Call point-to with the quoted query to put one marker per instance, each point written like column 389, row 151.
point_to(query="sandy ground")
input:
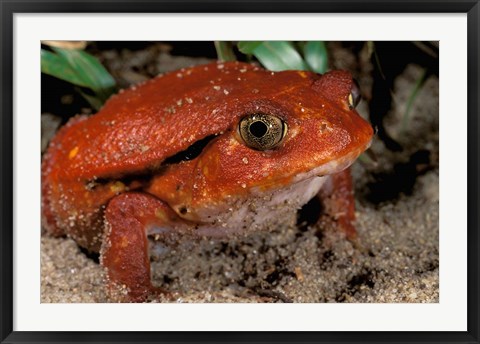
column 394, row 260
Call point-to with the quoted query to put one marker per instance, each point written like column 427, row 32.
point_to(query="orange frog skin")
column 209, row 151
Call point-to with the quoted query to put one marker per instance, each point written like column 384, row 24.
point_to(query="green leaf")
column 225, row 51
column 368, row 157
column 372, row 50
column 59, row 67
column 95, row 102
column 81, row 69
column 413, row 95
column 248, row 47
column 89, row 70
column 279, row 55
column 316, row 56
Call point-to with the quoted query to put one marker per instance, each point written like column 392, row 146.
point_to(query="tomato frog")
column 210, row 151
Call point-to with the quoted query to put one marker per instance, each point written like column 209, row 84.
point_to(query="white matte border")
column 449, row 315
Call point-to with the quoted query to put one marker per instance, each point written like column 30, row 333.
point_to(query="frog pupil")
column 258, row 129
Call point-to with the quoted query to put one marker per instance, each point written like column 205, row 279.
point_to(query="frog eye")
column 262, row 132
column 354, row 97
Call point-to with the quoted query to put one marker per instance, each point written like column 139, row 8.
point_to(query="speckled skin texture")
column 104, row 179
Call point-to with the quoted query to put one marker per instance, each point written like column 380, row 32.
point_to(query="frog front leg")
column 125, row 249
column 338, row 202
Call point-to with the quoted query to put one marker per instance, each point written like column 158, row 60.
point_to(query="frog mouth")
column 332, row 167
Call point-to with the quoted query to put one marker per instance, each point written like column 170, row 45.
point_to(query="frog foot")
column 125, row 250
column 339, row 203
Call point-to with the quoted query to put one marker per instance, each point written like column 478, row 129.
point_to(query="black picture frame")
column 10, row 7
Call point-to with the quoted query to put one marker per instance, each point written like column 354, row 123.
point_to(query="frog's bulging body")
column 212, row 150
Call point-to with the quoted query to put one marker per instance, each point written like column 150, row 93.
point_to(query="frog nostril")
column 258, row 129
